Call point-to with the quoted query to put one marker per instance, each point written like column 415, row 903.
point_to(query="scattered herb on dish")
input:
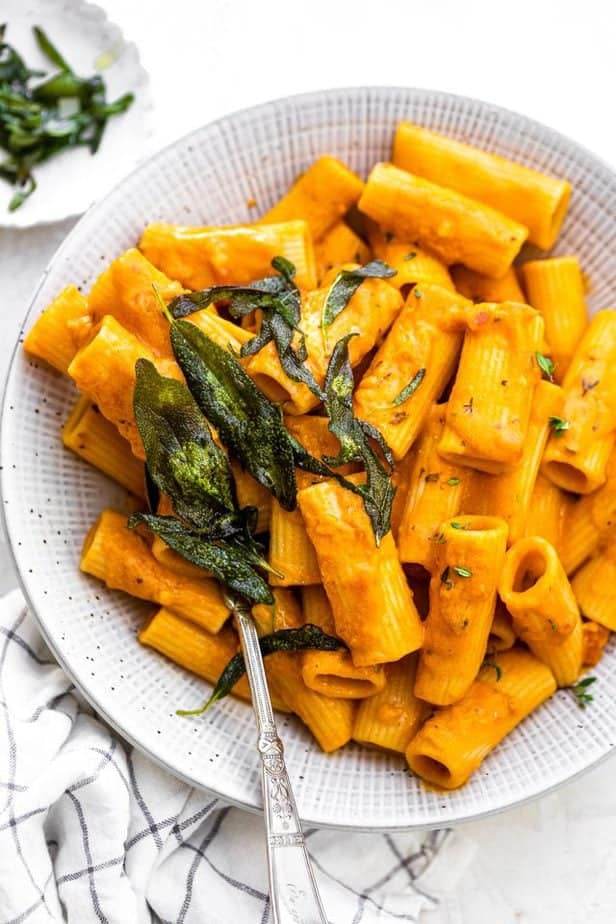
column 580, row 691
column 42, row 114
column 409, row 389
column 558, row 425
column 546, row 365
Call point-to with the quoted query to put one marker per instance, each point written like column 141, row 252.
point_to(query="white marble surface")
column 550, row 862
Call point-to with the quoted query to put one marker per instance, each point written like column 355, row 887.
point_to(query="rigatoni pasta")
column 346, row 438
column 455, row 228
column 577, row 455
column 469, row 559
column 534, row 199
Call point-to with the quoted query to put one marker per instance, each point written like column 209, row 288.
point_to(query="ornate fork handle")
column 293, row 891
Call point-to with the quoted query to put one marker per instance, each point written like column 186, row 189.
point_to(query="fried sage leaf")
column 279, row 301
column 308, row 637
column 355, row 438
column 234, row 566
column 346, row 284
column 247, row 422
column 182, row 458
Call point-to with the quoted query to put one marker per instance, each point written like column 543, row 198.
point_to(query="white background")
column 551, row 862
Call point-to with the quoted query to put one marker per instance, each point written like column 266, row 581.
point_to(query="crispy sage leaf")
column 354, row 436
column 280, row 304
column 346, row 284
column 183, row 460
column 308, row 637
column 247, row 422
column 230, row 564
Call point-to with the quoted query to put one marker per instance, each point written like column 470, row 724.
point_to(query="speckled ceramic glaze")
column 50, row 498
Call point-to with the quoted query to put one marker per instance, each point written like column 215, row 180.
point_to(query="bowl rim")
column 305, row 98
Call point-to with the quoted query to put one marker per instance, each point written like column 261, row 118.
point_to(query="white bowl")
column 51, row 498
column 70, row 182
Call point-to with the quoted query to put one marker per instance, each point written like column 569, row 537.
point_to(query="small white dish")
column 50, row 498
column 70, row 182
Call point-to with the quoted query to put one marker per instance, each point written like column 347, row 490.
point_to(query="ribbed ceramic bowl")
column 50, row 498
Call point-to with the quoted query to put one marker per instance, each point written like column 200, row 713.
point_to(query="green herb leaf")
column 453, row 481
column 49, row 50
column 279, row 300
column 308, row 637
column 446, row 579
column 410, row 256
column 182, row 458
column 346, row 284
column 456, row 525
column 462, row 572
column 233, row 565
column 355, row 438
column 41, row 117
column 488, row 662
column 580, row 691
column 558, row 425
column 546, row 365
column 247, row 422
column 412, row 386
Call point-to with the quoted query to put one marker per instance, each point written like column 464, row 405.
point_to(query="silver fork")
column 294, row 894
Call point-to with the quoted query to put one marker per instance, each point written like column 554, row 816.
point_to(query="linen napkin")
column 92, row 831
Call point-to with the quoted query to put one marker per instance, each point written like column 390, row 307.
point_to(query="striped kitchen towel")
column 92, row 831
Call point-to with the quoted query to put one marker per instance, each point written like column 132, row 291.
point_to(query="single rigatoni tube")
column 369, row 313
column 104, row 370
column 509, row 495
column 485, row 289
column 534, row 199
column 401, row 480
column 415, row 266
column 330, row 720
column 580, row 537
column 333, row 672
column 125, row 290
column 594, row 586
column 536, row 591
column 489, row 408
column 230, row 254
column 291, row 552
column 393, row 716
column 577, row 454
column 95, row 439
column 435, row 494
column 555, row 287
column 339, row 245
column 547, row 513
column 467, row 566
column 452, row 744
column 372, row 603
column 455, row 228
column 595, row 639
column 418, row 355
column 193, row 647
column 122, row 559
column 502, row 635
column 52, row 337
column 320, row 196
